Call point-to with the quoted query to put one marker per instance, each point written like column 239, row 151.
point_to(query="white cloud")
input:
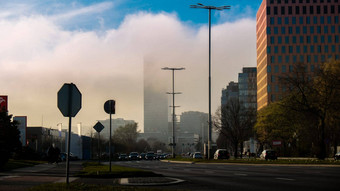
column 37, row 57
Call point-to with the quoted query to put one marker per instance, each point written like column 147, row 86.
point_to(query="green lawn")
column 94, row 170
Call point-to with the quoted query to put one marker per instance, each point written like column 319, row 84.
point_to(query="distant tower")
column 156, row 104
column 229, row 93
column 247, row 87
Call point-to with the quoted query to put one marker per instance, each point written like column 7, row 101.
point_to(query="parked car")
column 221, row 154
column 141, row 156
column 133, row 156
column 63, row 156
column 123, row 157
column 197, row 155
column 337, row 156
column 150, row 156
column 268, row 154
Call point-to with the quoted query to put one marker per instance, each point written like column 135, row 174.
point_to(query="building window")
column 312, row 68
column 279, row 39
column 283, row 30
column 294, row 20
column 297, row 10
column 329, row 39
column 326, row 49
column 322, row 20
column 290, row 49
column 276, row 88
column 336, row 19
column 302, row 60
column 329, row 20
column 268, row 10
column 336, row 39
column 272, row 78
column 307, row 20
column 311, row 29
column 308, row 39
column 309, row 59
column 311, row 10
column 315, row 39
column 305, row 49
column 315, row 20
column 290, row 10
column 294, row 59
column 333, row 49
column 316, row 59
column 332, row 9
column 325, row 9
column 286, row 20
column 304, row 30
column 304, row 10
column 332, row 29
column 318, row 29
column 287, row 59
column 297, row 30
column 272, row 59
column 268, row 50
column 323, row 59
column 322, row 39
column 294, row 39
column 301, row 20
column 276, row 69
column 325, row 29
column 276, row 49
column 318, row 9
column 290, row 68
column 297, row 49
column 272, row 40
column 312, row 49
column 283, row 12
column 279, row 20
column 290, row 30
column 283, row 49
column 269, row 69
column 275, row 10
column 301, row 39
column 271, row 20
column 286, row 39
column 268, row 30
column 269, row 88
column 319, row 49
column 279, row 59
column 283, row 68
column 276, row 31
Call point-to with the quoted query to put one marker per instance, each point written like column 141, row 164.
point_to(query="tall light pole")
column 201, row 6
column 173, row 106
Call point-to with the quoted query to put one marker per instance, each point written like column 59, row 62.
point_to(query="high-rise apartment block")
column 290, row 32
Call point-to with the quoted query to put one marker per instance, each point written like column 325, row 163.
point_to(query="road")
column 244, row 177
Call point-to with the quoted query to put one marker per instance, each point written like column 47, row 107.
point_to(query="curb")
column 146, row 181
column 180, row 162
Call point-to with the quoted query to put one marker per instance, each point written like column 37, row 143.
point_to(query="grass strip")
column 95, row 170
column 88, row 187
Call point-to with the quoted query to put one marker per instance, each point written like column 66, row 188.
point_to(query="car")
column 197, row 155
column 63, row 156
column 150, row 156
column 337, row 156
column 221, row 154
column 133, row 156
column 122, row 157
column 268, row 154
column 141, row 156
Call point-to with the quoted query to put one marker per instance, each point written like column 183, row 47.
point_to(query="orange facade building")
column 290, row 32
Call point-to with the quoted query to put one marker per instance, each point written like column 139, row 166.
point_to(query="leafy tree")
column 235, row 122
column 316, row 98
column 9, row 137
column 125, row 138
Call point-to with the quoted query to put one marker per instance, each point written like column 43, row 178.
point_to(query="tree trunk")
column 322, row 154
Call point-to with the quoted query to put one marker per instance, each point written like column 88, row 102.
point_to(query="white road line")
column 6, row 177
column 71, row 179
column 288, row 179
column 240, row 174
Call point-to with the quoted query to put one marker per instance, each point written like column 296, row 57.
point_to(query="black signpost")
column 109, row 108
column 98, row 127
column 69, row 104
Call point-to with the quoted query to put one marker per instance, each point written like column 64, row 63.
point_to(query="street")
column 244, row 177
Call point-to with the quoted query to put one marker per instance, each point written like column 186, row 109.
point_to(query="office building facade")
column 291, row 32
column 247, row 87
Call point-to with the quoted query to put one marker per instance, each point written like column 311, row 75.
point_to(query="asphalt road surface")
column 244, row 177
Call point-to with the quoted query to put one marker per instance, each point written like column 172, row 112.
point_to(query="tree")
column 9, row 137
column 235, row 122
column 317, row 98
column 125, row 138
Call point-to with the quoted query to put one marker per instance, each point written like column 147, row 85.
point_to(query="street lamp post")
column 201, row 6
column 173, row 106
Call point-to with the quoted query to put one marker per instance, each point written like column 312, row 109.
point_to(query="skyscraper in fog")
column 289, row 32
column 156, row 104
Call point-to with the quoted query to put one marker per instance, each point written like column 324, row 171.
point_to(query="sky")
column 101, row 46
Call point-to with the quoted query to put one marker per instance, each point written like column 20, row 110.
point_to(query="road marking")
column 5, row 177
column 71, row 179
column 239, row 174
column 288, row 179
